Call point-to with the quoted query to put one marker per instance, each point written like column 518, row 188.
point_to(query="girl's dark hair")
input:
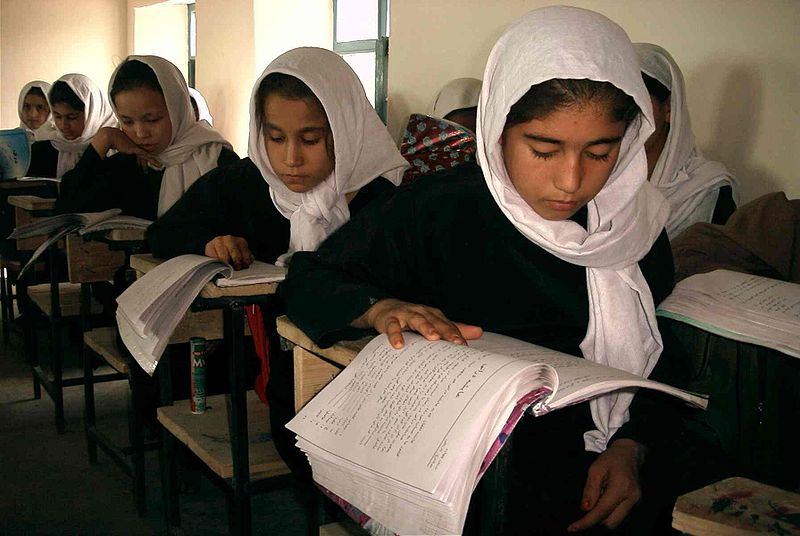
column 133, row 74
column 35, row 90
column 288, row 87
column 556, row 94
column 285, row 85
column 61, row 93
column 656, row 88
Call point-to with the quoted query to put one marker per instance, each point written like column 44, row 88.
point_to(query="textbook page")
column 258, row 272
column 743, row 307
column 119, row 221
column 577, row 379
column 46, row 225
column 44, row 245
column 408, row 413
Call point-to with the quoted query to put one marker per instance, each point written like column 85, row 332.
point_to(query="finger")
column 607, row 503
column 222, row 252
column 236, row 257
column 618, row 515
column 469, row 332
column 394, row 331
column 421, row 324
column 595, row 480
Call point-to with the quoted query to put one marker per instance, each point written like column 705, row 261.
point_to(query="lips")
column 562, row 205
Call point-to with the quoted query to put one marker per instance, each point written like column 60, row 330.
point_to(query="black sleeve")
column 227, row 157
column 725, row 206
column 201, row 214
column 368, row 259
column 94, row 184
column 44, row 160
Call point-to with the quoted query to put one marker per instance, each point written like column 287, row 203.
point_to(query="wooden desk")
column 315, row 367
column 238, row 479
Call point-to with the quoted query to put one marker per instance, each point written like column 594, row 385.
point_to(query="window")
column 192, row 33
column 360, row 36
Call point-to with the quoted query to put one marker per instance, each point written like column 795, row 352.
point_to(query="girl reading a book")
column 557, row 239
column 79, row 110
column 318, row 153
column 161, row 149
column 34, row 110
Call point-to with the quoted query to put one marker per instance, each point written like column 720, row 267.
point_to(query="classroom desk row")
column 232, row 436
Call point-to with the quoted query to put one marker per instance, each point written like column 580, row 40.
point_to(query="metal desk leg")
column 169, row 479
column 55, row 342
column 136, row 437
column 239, row 502
column 88, row 378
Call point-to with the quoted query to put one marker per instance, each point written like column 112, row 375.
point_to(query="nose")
column 293, row 155
column 570, row 176
column 141, row 131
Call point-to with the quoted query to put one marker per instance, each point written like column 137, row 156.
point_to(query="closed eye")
column 598, row 157
column 542, row 155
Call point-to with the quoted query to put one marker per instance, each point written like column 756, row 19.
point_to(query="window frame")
column 192, row 67
column 379, row 46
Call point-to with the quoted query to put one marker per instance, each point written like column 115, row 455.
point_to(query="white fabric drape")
column 97, row 113
column 624, row 219
column 202, row 106
column 455, row 95
column 47, row 128
column 688, row 180
column 195, row 146
column 363, row 147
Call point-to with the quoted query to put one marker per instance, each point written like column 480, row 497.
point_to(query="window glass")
column 364, row 66
column 356, row 20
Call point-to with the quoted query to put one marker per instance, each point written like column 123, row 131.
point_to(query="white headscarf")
column 195, row 146
column 363, row 147
column 456, row 95
column 202, row 106
column 625, row 217
column 689, row 182
column 47, row 127
column 97, row 114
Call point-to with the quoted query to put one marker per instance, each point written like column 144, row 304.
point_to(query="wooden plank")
column 736, row 506
column 31, row 202
column 125, row 235
column 69, row 299
column 311, row 374
column 145, row 262
column 103, row 341
column 21, row 217
column 343, row 352
column 91, row 261
column 21, row 185
column 208, row 435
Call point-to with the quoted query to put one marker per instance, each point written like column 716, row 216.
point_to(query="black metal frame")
column 239, row 488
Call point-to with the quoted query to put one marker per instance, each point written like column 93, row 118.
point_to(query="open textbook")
column 151, row 308
column 742, row 307
column 57, row 227
column 404, row 435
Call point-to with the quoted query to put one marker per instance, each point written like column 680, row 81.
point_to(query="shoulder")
column 227, row 157
column 43, row 147
column 463, row 186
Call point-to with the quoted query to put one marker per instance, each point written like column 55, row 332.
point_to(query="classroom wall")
column 741, row 61
column 282, row 25
column 57, row 30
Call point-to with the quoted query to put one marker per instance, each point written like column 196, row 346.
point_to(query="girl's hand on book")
column 108, row 138
column 612, row 486
column 230, row 249
column 392, row 317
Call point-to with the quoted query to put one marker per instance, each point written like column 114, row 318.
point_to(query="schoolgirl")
column 317, row 154
column 698, row 189
column 79, row 110
column 557, row 238
column 34, row 110
column 200, row 107
column 161, row 150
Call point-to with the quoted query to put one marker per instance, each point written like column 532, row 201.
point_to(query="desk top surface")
column 143, row 263
column 31, row 202
column 16, row 184
column 343, row 352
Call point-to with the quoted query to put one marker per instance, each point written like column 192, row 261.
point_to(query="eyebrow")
column 305, row 129
column 599, row 141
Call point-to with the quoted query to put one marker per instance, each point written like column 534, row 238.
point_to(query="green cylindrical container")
column 197, row 346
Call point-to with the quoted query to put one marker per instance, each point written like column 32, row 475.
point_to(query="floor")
column 47, row 485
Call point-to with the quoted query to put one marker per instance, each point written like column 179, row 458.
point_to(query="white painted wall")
column 741, row 61
column 44, row 39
